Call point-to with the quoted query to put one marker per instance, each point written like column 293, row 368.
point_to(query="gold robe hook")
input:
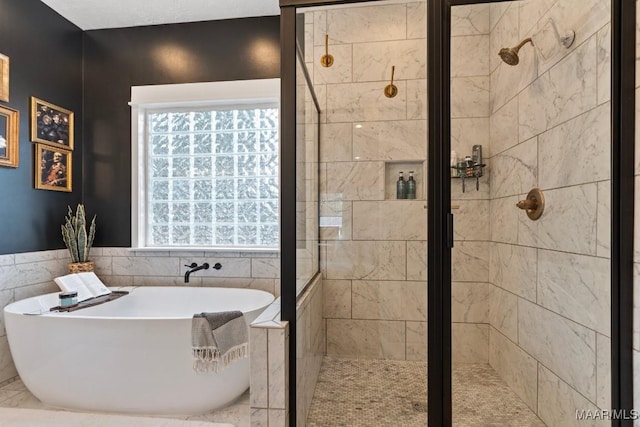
column 391, row 90
column 327, row 59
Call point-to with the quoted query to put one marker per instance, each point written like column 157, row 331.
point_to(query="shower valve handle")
column 533, row 205
column 527, row 204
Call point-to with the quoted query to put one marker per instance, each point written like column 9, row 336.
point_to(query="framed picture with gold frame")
column 51, row 124
column 4, row 78
column 53, row 168
column 9, row 141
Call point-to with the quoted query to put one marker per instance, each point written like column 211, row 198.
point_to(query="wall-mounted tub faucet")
column 193, row 267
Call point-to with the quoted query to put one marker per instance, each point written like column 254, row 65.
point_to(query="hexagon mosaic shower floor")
column 354, row 393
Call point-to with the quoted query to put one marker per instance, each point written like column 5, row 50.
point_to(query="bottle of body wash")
column 411, row 186
column 401, row 187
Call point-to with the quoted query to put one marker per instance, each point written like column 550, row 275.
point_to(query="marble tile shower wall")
column 373, row 246
column 470, row 126
column 549, row 332
column 29, row 274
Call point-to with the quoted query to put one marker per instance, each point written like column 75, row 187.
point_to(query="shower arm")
column 522, row 43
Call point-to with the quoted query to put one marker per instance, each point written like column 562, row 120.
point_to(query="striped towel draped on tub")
column 218, row 339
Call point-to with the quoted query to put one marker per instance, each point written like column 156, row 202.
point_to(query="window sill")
column 193, row 249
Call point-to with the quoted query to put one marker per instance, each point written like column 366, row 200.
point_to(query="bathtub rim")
column 11, row 308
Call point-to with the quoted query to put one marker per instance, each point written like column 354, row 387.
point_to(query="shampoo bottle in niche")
column 401, row 187
column 411, row 186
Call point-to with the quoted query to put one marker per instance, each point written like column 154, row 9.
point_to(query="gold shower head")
column 510, row 54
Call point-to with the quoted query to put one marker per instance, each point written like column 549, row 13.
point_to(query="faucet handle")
column 192, row 265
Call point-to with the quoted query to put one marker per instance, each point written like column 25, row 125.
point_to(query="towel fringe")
column 208, row 359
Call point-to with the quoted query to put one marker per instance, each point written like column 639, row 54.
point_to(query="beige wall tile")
column 515, row 367
column 558, row 401
column 504, row 127
column 416, row 99
column 470, row 343
column 515, row 171
column 565, row 347
column 467, row 132
column 470, row 262
column 355, row 181
column 578, row 151
column 337, row 298
column 380, row 260
column 352, row 102
column 603, row 232
column 417, row 260
column 373, row 61
column 568, row 223
column 259, row 417
column 390, row 140
column 603, row 367
column 514, row 268
column 470, row 55
column 577, row 287
column 470, row 97
column 471, row 220
column 470, row 19
column 417, row 20
column 389, row 300
column 367, row 24
column 342, row 69
column 470, row 302
column 336, row 142
column 503, row 313
column 369, row 339
column 277, row 342
column 569, row 88
column 391, row 220
column 259, row 368
column 416, row 341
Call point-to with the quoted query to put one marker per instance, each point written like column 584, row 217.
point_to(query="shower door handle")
column 450, row 230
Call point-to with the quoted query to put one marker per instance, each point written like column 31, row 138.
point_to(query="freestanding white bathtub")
column 130, row 355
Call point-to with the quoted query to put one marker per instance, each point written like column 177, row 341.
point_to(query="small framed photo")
column 53, row 168
column 51, row 124
column 9, row 141
column 4, row 78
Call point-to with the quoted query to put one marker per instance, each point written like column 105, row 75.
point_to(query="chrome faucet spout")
column 193, row 267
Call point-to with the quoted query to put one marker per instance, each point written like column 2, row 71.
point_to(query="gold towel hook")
column 327, row 59
column 391, row 90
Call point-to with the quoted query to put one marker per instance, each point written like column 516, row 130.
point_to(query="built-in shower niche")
column 392, row 171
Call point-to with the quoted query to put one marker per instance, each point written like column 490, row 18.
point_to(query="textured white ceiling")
column 95, row 14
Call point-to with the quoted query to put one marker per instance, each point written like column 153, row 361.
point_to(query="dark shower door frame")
column 440, row 222
column 440, row 219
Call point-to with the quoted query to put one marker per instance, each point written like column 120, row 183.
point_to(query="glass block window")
column 212, row 177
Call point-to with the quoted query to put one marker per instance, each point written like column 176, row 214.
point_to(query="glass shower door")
column 531, row 303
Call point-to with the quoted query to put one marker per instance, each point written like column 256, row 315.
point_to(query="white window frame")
column 144, row 98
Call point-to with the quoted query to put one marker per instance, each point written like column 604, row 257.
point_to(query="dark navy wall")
column 45, row 52
column 116, row 59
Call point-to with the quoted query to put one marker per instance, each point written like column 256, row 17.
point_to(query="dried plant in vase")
column 78, row 241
